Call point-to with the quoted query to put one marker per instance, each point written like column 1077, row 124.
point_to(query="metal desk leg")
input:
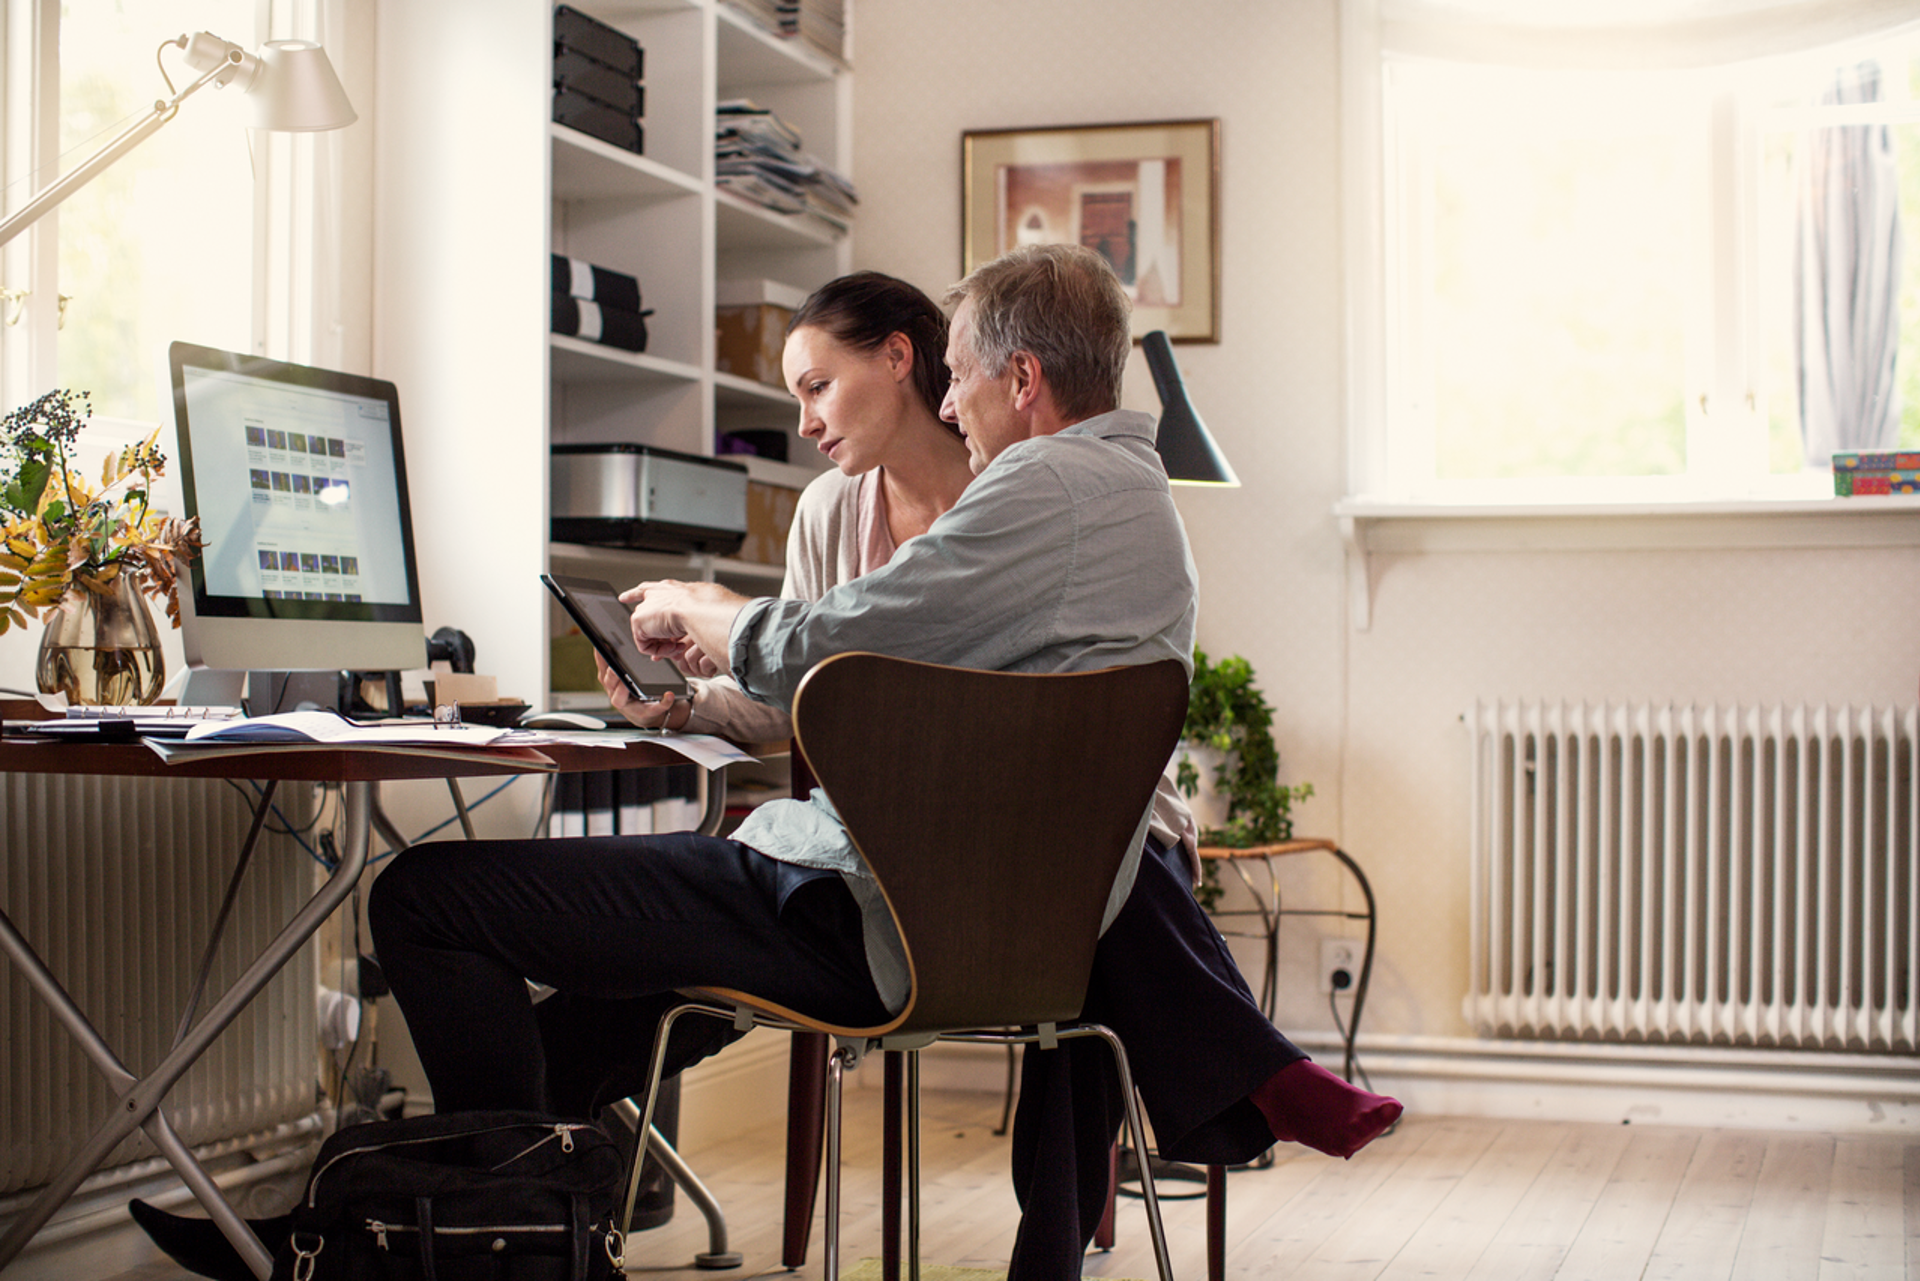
column 140, row 1099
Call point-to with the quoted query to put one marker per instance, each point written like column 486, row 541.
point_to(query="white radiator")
column 116, row 882
column 1723, row 875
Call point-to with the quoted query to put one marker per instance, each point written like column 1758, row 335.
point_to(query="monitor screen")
column 299, row 479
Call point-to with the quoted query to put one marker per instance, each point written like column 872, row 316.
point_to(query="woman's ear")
column 899, row 353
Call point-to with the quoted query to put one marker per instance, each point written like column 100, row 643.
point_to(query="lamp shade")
column 1185, row 448
column 296, row 90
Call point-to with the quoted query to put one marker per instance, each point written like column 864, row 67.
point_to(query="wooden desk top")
column 326, row 765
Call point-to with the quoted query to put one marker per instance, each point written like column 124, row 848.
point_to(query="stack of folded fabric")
column 598, row 305
column 598, row 79
column 758, row 157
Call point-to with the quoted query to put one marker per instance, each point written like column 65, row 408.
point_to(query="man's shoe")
column 198, row 1245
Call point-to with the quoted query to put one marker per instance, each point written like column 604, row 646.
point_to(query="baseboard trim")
column 734, row 1090
column 1625, row 1084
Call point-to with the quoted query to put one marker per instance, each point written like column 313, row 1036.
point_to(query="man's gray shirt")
column 1066, row 554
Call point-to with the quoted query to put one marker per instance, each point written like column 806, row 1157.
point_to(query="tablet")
column 607, row 623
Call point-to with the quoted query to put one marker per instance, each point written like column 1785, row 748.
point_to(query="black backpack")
column 464, row 1196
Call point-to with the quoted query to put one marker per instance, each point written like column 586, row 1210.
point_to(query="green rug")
column 869, row 1270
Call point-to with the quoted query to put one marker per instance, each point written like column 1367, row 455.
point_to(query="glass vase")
column 102, row 647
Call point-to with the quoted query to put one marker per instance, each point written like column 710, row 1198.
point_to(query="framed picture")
column 1143, row 195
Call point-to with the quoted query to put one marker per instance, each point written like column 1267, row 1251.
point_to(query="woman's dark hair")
column 866, row 308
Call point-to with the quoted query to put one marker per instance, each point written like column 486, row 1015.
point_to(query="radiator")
column 1713, row 875
column 116, row 882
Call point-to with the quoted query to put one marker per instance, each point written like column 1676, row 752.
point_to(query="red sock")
column 1305, row 1103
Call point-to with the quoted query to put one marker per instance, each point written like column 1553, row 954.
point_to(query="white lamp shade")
column 297, row 90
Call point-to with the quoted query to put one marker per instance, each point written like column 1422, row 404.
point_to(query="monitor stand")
column 269, row 692
column 212, row 687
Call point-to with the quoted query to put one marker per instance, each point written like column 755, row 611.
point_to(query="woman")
column 865, row 359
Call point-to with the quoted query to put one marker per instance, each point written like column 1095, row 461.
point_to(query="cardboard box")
column 748, row 341
column 770, row 511
column 754, row 292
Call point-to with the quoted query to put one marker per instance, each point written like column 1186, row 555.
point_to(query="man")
column 1064, row 554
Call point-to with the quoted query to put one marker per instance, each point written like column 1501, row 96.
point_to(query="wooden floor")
column 1438, row 1198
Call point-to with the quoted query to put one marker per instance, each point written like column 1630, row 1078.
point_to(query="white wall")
column 1371, row 718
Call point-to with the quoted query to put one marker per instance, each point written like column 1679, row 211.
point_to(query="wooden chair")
column 994, row 810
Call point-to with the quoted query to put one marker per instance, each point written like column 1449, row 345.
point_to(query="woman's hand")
column 662, row 714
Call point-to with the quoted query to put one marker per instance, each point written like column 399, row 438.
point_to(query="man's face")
column 981, row 407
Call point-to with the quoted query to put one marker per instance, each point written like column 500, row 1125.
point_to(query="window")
column 1601, row 283
column 206, row 231
column 160, row 246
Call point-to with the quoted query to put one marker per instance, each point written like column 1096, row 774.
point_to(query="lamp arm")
column 85, row 172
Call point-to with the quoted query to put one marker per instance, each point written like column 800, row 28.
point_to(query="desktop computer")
column 308, row 580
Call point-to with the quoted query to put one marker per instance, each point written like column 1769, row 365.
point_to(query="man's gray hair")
column 1064, row 306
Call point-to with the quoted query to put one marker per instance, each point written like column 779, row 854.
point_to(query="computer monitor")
column 299, row 479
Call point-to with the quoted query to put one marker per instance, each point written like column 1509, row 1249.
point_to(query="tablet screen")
column 595, row 606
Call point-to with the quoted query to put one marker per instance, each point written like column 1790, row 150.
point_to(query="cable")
column 471, row 806
column 252, row 792
column 1333, row 1004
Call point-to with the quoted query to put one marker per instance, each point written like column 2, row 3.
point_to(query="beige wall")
column 1371, row 718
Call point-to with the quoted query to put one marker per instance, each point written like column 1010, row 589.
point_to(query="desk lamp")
column 1185, row 448
column 290, row 84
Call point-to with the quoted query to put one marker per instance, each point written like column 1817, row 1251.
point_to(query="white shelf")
column 577, row 361
column 585, row 168
column 733, row 390
column 741, row 224
column 457, row 305
column 751, row 55
column 771, row 471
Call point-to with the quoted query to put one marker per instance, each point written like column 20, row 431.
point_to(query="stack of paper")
column 758, row 157
column 821, row 23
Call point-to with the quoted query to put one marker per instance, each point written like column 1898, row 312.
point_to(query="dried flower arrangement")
column 60, row 532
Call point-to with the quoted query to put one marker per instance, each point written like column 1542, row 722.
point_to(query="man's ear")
column 1026, row 381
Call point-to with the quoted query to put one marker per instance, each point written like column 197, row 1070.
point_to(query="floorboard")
column 1449, row 1199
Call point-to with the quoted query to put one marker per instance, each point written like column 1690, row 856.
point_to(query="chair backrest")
column 994, row 808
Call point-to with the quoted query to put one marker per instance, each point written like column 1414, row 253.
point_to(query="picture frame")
column 1145, row 195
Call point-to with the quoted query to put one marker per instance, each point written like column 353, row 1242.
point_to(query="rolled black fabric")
column 612, row 326
column 582, row 279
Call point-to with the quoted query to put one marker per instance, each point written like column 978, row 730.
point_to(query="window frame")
column 297, row 261
column 1391, row 450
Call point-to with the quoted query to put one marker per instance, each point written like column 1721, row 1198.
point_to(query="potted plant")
column 1227, row 712
column 87, row 554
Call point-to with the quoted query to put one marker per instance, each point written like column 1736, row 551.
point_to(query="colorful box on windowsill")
column 1876, row 471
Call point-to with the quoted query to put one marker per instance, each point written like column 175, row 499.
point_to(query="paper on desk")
column 703, row 750
column 337, row 731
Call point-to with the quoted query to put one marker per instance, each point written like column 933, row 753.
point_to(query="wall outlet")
column 1339, row 965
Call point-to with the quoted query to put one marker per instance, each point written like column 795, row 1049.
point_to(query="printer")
column 650, row 499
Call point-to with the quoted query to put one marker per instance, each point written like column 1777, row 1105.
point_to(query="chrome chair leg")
column 717, row 1254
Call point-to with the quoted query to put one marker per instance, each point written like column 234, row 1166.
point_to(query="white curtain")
column 1847, row 255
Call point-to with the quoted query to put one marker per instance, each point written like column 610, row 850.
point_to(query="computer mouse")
column 562, row 720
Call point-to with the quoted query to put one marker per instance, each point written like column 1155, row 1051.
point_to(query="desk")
column 359, row 771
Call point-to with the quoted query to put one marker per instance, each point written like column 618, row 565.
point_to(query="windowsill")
column 1370, row 524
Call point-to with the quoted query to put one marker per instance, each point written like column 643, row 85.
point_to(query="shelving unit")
column 477, row 185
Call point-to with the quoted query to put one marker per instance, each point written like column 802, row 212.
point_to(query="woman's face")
column 853, row 404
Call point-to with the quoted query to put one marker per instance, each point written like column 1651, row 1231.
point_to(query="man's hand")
column 688, row 624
